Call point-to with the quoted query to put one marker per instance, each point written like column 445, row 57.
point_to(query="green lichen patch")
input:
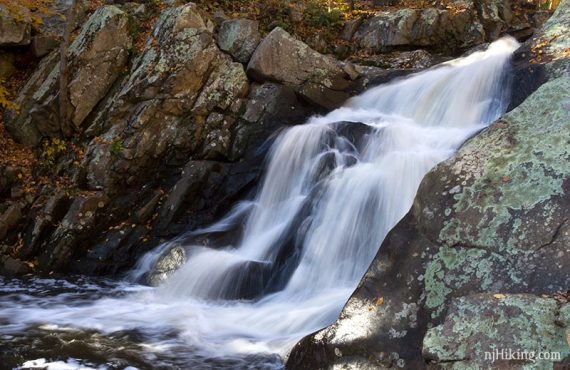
column 489, row 323
column 510, row 199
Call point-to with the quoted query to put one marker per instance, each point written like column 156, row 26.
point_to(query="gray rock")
column 161, row 108
column 9, row 220
column 12, row 216
column 10, row 266
column 49, row 33
column 44, row 223
column 282, row 58
column 14, row 32
column 194, row 177
column 421, row 27
column 416, row 59
column 77, row 226
column 239, row 38
column 478, row 328
column 471, row 23
column 96, row 58
column 166, row 265
column 543, row 57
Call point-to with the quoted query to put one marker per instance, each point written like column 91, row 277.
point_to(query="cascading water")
column 333, row 189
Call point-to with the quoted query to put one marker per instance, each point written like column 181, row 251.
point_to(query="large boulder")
column 318, row 78
column 492, row 219
column 96, row 59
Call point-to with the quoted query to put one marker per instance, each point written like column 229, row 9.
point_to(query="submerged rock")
column 492, row 219
column 166, row 265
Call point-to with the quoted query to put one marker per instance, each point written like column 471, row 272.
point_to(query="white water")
column 335, row 220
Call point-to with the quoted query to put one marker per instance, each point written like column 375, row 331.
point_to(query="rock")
column 469, row 23
column 479, row 224
column 166, row 265
column 316, row 77
column 9, row 220
column 194, row 177
column 158, row 113
column 42, row 45
column 478, row 328
column 76, row 228
column 239, row 38
column 219, row 18
column 144, row 214
column 96, row 58
column 14, row 32
column 544, row 57
column 417, row 27
column 11, row 217
column 417, row 59
column 270, row 107
column 351, row 27
column 10, row 266
column 44, row 223
column 7, row 65
column 49, row 33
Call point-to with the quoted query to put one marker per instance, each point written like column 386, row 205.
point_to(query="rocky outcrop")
column 492, row 219
column 465, row 23
column 163, row 142
column 166, row 106
column 318, row 78
column 97, row 57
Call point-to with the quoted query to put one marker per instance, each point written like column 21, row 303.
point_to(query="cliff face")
column 170, row 126
column 479, row 258
column 166, row 134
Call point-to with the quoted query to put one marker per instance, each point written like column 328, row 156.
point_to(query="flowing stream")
column 332, row 190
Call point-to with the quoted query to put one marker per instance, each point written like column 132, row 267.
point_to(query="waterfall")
column 332, row 190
